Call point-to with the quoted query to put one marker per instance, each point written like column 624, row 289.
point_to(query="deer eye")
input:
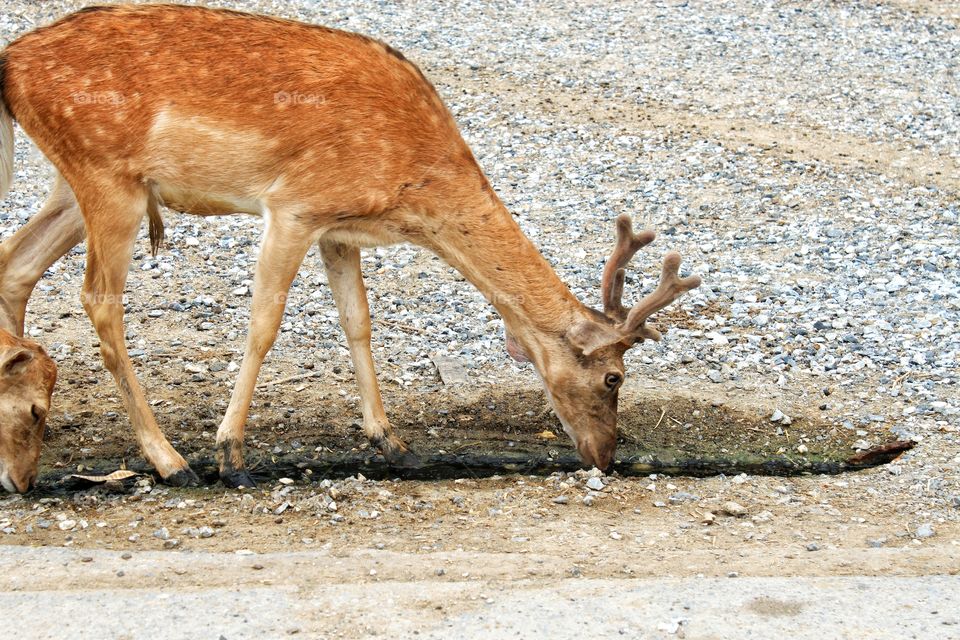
column 612, row 380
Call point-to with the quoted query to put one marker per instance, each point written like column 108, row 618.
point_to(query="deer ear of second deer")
column 333, row 138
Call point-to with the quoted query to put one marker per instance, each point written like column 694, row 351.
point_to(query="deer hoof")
column 237, row 479
column 405, row 459
column 183, row 478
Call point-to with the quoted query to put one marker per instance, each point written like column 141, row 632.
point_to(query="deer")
column 28, row 374
column 332, row 138
column 27, row 378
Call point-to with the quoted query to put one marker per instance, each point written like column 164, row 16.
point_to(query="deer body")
column 331, row 137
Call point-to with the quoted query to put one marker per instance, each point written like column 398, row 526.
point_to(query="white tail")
column 6, row 150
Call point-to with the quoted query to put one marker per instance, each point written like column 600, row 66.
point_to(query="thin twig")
column 400, row 325
column 663, row 412
column 299, row 376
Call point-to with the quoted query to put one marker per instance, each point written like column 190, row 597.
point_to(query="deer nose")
column 24, row 483
column 599, row 455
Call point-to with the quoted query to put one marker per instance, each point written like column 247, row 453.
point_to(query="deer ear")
column 15, row 361
column 588, row 336
column 515, row 350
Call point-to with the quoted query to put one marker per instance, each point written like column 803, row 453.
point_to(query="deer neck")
column 486, row 245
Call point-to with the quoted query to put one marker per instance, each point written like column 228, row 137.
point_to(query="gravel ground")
column 803, row 157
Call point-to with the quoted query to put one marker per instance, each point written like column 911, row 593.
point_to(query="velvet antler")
column 632, row 323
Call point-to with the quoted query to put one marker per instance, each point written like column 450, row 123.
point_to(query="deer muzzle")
column 598, row 452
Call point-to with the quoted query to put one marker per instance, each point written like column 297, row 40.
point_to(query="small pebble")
column 735, row 509
column 596, row 484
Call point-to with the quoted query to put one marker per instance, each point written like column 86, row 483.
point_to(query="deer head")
column 583, row 370
column 27, row 377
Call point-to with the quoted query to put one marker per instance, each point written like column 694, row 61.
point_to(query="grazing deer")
column 27, row 377
column 331, row 137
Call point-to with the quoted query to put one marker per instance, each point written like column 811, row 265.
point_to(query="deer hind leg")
column 112, row 215
column 282, row 251
column 48, row 235
column 342, row 263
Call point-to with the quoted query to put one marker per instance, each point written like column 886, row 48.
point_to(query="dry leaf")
column 122, row 474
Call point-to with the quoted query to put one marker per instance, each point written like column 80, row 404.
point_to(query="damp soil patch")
column 317, row 433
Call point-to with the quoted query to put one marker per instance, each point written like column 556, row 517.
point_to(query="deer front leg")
column 48, row 235
column 281, row 253
column 112, row 216
column 342, row 263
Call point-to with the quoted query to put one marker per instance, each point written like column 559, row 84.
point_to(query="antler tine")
column 628, row 243
column 671, row 287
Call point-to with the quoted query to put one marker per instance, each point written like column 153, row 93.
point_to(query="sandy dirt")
column 849, row 524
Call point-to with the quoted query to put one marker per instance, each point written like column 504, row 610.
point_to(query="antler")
column 614, row 274
column 671, row 287
column 632, row 323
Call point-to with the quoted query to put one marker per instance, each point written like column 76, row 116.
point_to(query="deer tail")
column 155, row 220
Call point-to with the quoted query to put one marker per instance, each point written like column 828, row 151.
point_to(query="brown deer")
column 27, row 373
column 27, row 377
column 331, row 137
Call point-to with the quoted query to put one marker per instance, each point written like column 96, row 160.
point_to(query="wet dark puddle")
column 510, row 433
